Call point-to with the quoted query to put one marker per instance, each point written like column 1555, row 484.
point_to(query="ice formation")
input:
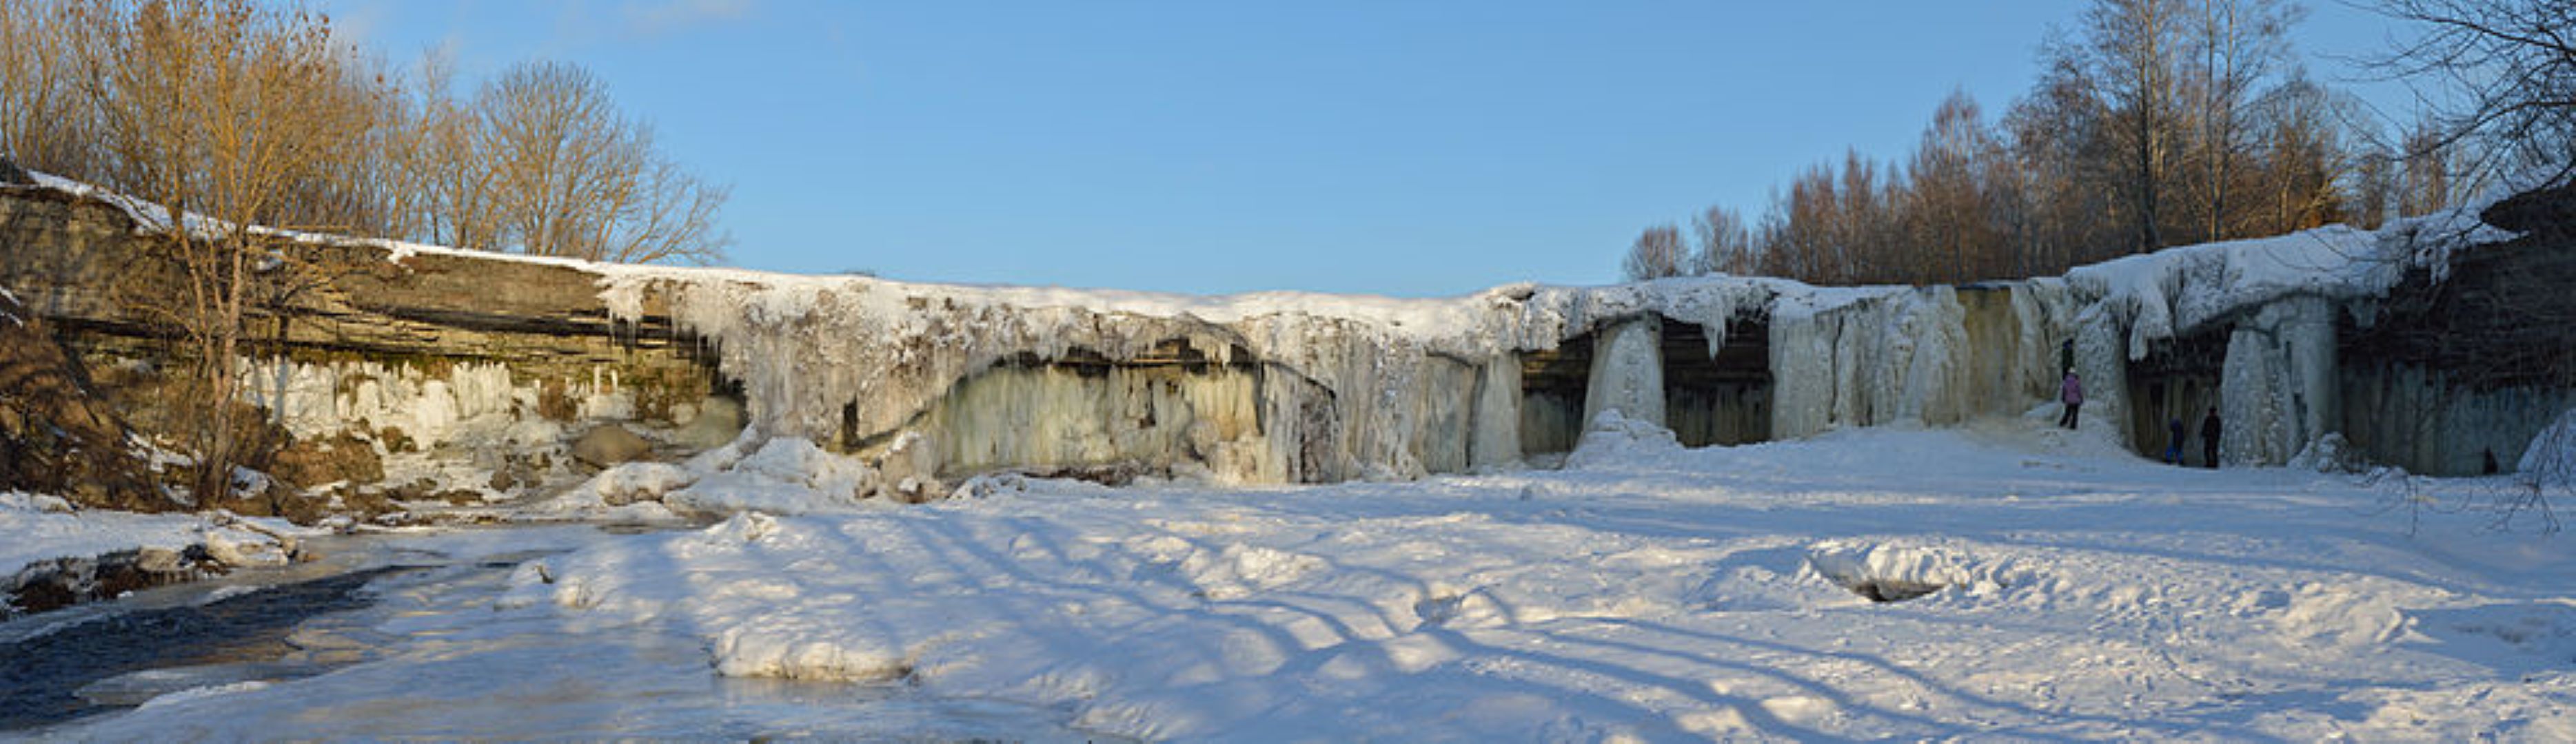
column 942, row 382
column 1285, row 387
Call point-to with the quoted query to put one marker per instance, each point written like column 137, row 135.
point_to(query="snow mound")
column 1613, row 437
column 807, row 648
column 788, row 475
column 1901, row 570
column 1230, row 572
column 2330, row 454
column 2551, row 458
column 639, row 481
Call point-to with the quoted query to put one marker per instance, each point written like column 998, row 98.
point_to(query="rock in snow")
column 609, row 445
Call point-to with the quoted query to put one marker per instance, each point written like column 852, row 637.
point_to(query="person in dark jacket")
column 2173, row 441
column 2209, row 438
column 2071, row 392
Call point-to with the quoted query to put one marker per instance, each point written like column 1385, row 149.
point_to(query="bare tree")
column 221, row 109
column 580, row 180
column 2426, row 184
column 2374, row 190
column 1658, row 253
column 2236, row 44
column 2134, row 44
column 2061, row 149
column 1726, row 243
column 2512, row 64
column 44, row 120
column 2304, row 163
column 1949, row 213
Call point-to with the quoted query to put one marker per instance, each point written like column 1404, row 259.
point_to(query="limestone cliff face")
column 407, row 354
column 57, row 436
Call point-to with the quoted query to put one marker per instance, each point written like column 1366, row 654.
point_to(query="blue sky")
column 1401, row 148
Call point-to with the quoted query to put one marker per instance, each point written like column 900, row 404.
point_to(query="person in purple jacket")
column 2071, row 392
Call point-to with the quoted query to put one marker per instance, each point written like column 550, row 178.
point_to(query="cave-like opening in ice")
column 1552, row 389
column 1722, row 398
column 2177, row 379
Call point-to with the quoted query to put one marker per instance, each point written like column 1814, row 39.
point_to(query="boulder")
column 609, row 445
column 315, row 462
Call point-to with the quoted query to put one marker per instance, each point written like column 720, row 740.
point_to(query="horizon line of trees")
column 2156, row 123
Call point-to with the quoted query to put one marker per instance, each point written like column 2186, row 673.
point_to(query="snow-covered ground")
column 41, row 528
column 1645, row 592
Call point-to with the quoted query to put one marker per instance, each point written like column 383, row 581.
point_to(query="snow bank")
column 50, row 541
column 1652, row 593
column 42, row 527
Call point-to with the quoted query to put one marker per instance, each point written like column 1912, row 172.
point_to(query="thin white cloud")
column 658, row 17
column 355, row 25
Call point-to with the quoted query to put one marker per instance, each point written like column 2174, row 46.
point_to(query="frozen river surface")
column 400, row 637
column 2050, row 586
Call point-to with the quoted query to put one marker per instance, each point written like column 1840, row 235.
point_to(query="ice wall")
column 1153, row 418
column 2420, row 421
column 1361, row 387
column 1871, row 356
column 1349, row 387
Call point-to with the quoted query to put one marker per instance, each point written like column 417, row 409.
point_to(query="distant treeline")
column 2156, row 123
column 155, row 97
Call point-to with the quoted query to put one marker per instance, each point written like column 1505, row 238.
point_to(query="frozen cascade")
column 2280, row 382
column 320, row 400
column 1336, row 388
column 1627, row 372
column 1014, row 414
column 1304, row 387
column 1347, row 387
column 1874, row 356
column 1495, row 441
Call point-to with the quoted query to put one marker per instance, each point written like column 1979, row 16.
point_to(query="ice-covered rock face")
column 472, row 402
column 1291, row 387
column 1301, row 387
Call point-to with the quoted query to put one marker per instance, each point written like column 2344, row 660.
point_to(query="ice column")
column 1628, row 371
column 1497, row 419
column 2280, row 388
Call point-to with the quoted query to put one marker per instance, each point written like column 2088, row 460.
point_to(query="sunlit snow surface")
column 1647, row 592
